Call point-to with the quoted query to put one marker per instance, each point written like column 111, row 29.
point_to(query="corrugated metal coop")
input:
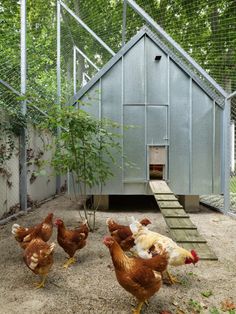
column 177, row 119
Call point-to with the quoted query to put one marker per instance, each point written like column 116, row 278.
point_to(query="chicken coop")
column 176, row 114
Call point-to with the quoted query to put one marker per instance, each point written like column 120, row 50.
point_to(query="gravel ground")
column 90, row 285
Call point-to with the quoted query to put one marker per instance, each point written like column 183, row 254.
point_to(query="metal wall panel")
column 135, row 188
column 157, row 125
column 179, row 130
column 202, row 141
column 134, row 75
column 91, row 99
column 157, row 74
column 218, row 149
column 134, row 142
column 112, row 109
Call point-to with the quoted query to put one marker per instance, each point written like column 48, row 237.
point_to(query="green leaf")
column 207, row 293
column 214, row 310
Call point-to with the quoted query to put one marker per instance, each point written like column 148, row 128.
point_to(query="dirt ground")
column 90, row 285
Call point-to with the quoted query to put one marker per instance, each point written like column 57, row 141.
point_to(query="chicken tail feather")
column 14, row 229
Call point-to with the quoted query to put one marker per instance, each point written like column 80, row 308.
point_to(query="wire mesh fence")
column 41, row 88
column 206, row 30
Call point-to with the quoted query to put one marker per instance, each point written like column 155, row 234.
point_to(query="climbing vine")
column 11, row 122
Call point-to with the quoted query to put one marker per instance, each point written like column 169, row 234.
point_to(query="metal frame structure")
column 222, row 99
column 75, row 50
column 170, row 40
column 145, row 31
column 22, row 149
column 88, row 29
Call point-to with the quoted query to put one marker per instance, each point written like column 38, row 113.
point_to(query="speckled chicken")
column 38, row 256
column 24, row 235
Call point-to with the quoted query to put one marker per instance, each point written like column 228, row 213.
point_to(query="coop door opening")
column 157, row 162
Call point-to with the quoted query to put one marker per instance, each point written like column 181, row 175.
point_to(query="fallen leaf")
column 227, row 305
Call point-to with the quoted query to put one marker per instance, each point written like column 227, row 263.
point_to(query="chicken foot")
column 70, row 261
column 138, row 308
column 171, row 278
column 41, row 284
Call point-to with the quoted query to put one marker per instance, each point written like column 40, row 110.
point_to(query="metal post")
column 232, row 146
column 58, row 177
column 74, row 69
column 22, row 143
column 124, row 22
column 226, row 150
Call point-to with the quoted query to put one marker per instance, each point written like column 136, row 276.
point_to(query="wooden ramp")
column 182, row 230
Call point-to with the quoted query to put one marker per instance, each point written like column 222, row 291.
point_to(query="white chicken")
column 149, row 243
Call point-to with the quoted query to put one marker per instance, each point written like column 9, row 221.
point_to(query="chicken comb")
column 195, row 256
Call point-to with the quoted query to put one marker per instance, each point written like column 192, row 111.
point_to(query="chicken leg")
column 70, row 261
column 41, row 284
column 171, row 278
column 138, row 308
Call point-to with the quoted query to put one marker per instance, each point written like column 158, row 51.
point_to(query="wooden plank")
column 169, row 204
column 160, row 187
column 165, row 197
column 180, row 223
column 186, row 236
column 182, row 230
column 202, row 249
column 174, row 212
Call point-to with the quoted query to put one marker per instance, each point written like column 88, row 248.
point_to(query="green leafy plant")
column 11, row 122
column 85, row 146
column 214, row 310
column 207, row 293
column 195, row 306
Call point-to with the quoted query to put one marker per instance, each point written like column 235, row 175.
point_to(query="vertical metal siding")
column 157, row 74
column 202, row 138
column 218, row 147
column 111, row 99
column 166, row 107
column 92, row 99
column 179, row 130
column 157, row 125
column 134, row 142
column 134, row 75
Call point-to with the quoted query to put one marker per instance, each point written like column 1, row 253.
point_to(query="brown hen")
column 122, row 234
column 141, row 277
column 25, row 235
column 71, row 240
column 38, row 256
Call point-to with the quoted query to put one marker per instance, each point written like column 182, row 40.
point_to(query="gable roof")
column 211, row 90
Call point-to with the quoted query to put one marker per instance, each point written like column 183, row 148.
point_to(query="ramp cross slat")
column 165, row 197
column 174, row 212
column 182, row 230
